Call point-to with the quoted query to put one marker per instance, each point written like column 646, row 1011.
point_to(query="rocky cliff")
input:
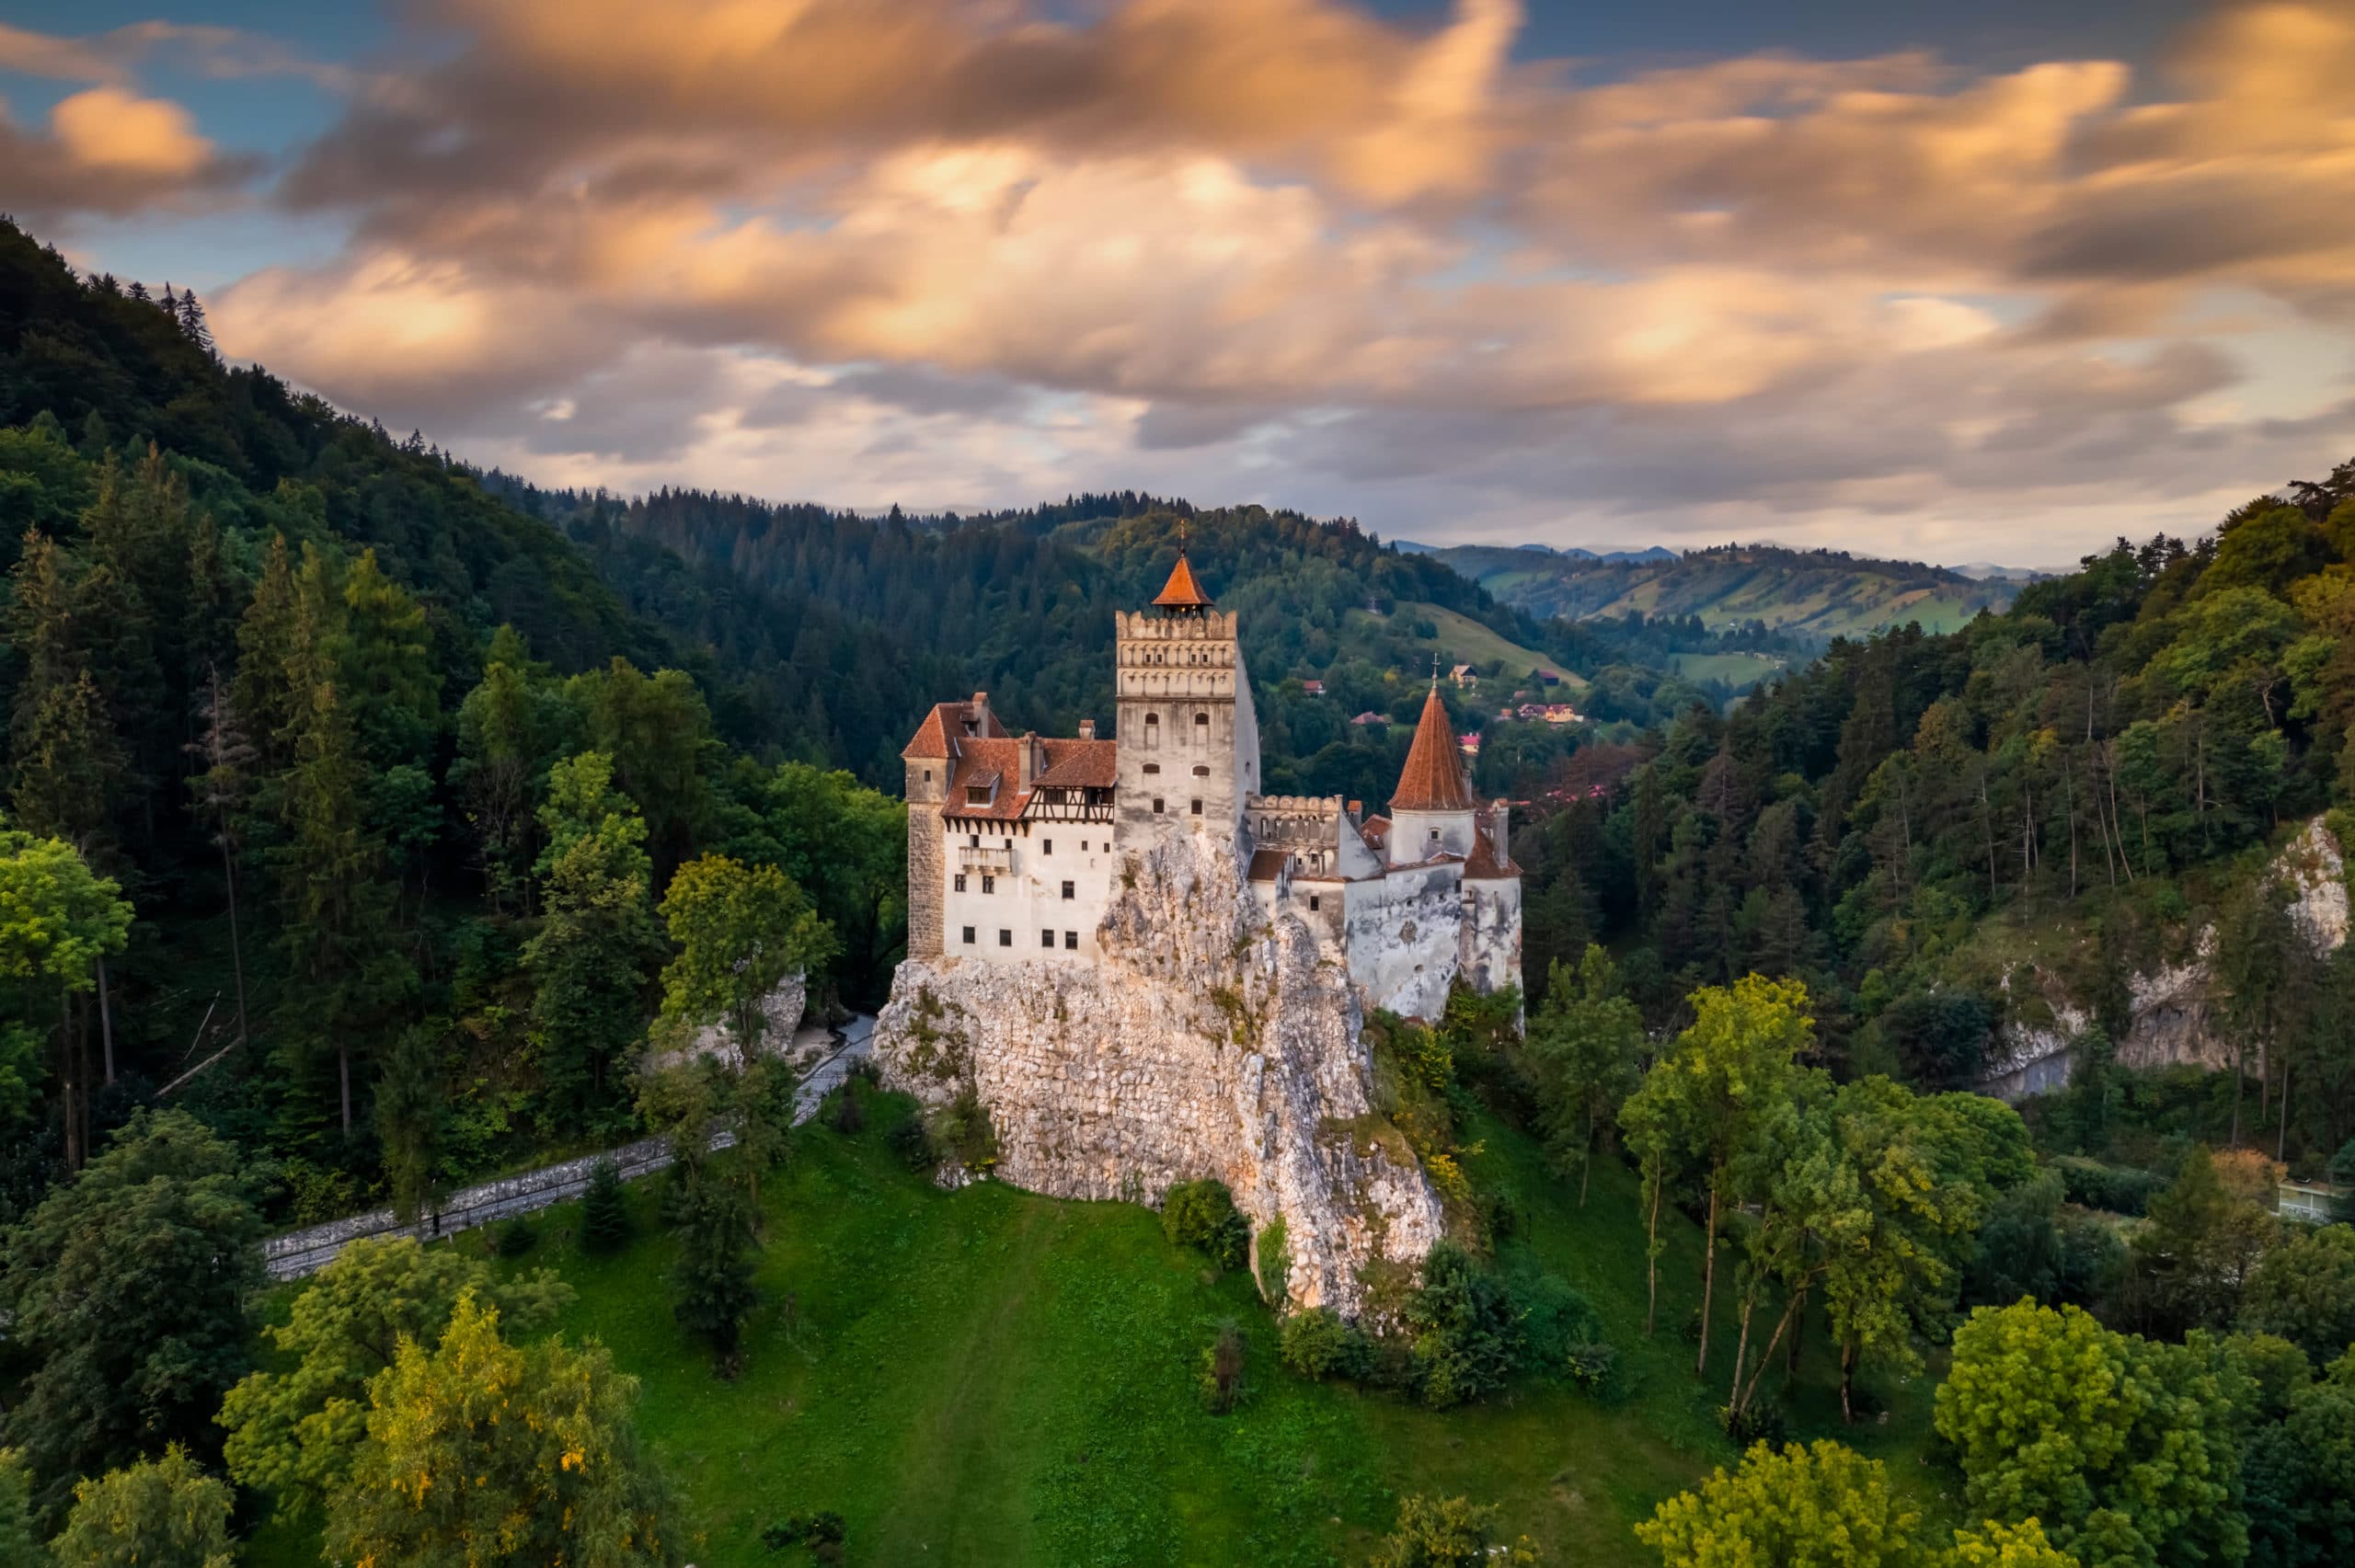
column 2173, row 1009
column 1207, row 1041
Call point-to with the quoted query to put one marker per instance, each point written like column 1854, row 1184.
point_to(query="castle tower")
column 930, row 759
column 1188, row 738
column 1434, row 809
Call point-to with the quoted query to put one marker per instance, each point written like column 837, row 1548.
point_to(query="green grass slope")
column 989, row 1376
column 1821, row 594
column 1463, row 640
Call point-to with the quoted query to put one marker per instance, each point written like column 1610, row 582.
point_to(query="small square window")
column 1198, row 806
column 1047, row 939
column 1004, row 938
column 989, row 884
column 1071, row 890
column 1157, row 806
column 1312, row 903
column 1083, row 846
column 968, row 936
column 961, row 882
column 1046, row 846
column 1070, row 942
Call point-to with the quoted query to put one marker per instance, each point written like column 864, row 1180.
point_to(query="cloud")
column 1292, row 246
column 107, row 149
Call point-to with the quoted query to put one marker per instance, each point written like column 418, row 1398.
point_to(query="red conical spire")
column 1433, row 779
column 1183, row 592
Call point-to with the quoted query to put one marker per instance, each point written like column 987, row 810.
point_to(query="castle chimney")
column 1087, row 730
column 980, row 705
column 1498, row 813
column 1025, row 765
column 1357, row 810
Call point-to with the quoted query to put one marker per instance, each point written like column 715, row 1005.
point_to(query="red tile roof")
column 944, row 727
column 1267, row 864
column 1182, row 592
column 1484, row 863
column 1433, row 777
column 1070, row 765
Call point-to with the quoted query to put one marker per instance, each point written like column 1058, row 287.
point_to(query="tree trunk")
column 237, row 947
column 1708, row 1280
column 343, row 1079
column 1798, row 1333
column 2240, row 1083
column 1742, row 1353
column 1847, row 1380
column 1651, row 1256
column 106, row 1021
column 2282, row 1137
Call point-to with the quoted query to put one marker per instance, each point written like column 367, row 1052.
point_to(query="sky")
column 1986, row 282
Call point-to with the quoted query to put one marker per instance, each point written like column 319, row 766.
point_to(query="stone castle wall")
column 1208, row 1040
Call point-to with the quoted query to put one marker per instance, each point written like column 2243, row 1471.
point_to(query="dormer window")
column 977, row 794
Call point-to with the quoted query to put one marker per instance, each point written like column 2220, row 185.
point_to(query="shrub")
column 1552, row 1318
column 1760, row 1421
column 1202, row 1214
column 604, row 1212
column 1275, row 1263
column 850, row 1111
column 1468, row 1338
column 909, row 1141
column 1318, row 1343
column 1222, row 1374
column 2122, row 1189
column 960, row 1130
column 1449, row 1532
column 1593, row 1367
column 822, row 1532
column 1500, row 1213
column 517, row 1237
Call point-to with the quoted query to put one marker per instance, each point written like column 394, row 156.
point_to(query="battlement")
column 1210, row 626
column 1327, row 805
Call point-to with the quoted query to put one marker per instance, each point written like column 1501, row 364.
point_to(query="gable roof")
column 943, row 731
column 1182, row 591
column 1433, row 779
column 996, row 764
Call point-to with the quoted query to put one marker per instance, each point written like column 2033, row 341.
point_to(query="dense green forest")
column 1920, row 825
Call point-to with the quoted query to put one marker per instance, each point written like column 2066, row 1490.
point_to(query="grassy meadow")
column 989, row 1376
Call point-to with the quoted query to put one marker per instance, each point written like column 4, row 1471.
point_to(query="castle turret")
column 1434, row 809
column 1188, row 738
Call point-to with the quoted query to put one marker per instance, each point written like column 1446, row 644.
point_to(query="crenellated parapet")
column 1211, row 625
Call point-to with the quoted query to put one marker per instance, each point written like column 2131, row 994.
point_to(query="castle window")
column 1152, row 767
column 1312, row 903
column 989, row 884
column 977, row 794
column 1201, row 770
column 1198, row 806
column 1071, row 891
column 961, row 882
column 1070, row 942
column 973, row 840
column 1004, row 938
column 1047, row 940
column 968, row 936
column 927, row 775
column 1202, row 721
column 1046, row 846
column 1157, row 806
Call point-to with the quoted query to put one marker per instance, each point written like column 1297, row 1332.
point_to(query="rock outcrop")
column 2173, row 1009
column 1206, row 1040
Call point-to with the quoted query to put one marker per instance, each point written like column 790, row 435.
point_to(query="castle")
column 1016, row 843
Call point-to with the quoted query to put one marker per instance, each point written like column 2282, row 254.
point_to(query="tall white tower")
column 1189, row 740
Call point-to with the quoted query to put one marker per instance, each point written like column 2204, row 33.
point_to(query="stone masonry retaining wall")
column 301, row 1253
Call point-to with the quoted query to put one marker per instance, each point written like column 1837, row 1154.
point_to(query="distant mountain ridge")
column 1815, row 594
column 1574, row 551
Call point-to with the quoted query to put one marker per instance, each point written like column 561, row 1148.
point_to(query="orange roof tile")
column 1071, row 765
column 944, row 728
column 1266, row 866
column 1183, row 592
column 1433, row 779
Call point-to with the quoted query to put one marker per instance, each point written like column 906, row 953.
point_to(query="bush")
column 604, row 1212
column 1501, row 1214
column 1275, row 1263
column 1762, row 1422
column 1318, row 1343
column 909, row 1141
column 1449, row 1532
column 1552, row 1318
column 960, row 1130
column 822, row 1532
column 850, row 1111
column 1202, row 1214
column 1222, row 1374
column 1468, row 1338
column 517, row 1237
column 1592, row 1367
column 2121, row 1189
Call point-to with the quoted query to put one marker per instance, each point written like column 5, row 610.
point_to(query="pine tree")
column 191, row 320
column 221, row 793
column 604, row 1212
column 712, row 1283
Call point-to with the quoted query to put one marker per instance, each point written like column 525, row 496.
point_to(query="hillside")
column 1020, row 1391
column 1810, row 595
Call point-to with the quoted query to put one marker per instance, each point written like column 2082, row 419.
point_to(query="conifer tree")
column 220, row 795
column 604, row 1211
column 590, row 958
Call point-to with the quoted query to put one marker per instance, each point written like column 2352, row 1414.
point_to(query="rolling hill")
column 1815, row 594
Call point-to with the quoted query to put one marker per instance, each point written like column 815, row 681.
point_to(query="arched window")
column 1202, row 721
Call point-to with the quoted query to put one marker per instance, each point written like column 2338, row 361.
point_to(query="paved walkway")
column 299, row 1253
